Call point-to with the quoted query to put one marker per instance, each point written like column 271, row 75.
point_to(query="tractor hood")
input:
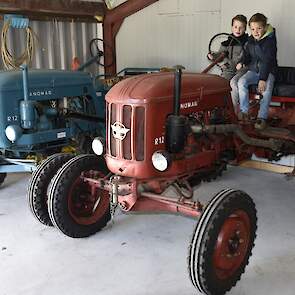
column 151, row 87
column 12, row 80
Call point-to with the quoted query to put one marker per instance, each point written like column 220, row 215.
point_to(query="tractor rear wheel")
column 222, row 242
column 75, row 207
column 37, row 193
column 2, row 177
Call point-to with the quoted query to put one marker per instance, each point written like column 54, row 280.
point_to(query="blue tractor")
column 44, row 111
column 51, row 115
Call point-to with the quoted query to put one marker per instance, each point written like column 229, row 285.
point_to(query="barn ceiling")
column 110, row 3
column 82, row 10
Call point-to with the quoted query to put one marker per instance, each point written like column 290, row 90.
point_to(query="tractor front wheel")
column 77, row 208
column 37, row 193
column 222, row 242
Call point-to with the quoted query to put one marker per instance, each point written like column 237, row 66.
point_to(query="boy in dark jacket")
column 261, row 50
column 260, row 58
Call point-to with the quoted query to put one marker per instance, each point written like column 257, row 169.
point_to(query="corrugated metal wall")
column 56, row 43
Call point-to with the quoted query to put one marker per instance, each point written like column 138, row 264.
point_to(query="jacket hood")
column 269, row 31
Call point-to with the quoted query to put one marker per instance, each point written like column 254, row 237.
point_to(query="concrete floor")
column 142, row 254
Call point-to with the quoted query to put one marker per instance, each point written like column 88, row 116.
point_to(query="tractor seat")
column 284, row 90
column 284, row 84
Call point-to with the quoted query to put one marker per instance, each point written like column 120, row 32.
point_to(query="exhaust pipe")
column 272, row 144
column 176, row 125
column 177, row 89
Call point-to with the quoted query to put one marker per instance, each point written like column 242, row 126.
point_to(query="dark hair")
column 241, row 18
column 258, row 18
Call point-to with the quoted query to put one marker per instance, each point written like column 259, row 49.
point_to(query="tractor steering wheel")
column 96, row 47
column 218, row 36
column 223, row 54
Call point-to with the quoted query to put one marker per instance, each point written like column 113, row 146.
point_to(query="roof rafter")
column 63, row 9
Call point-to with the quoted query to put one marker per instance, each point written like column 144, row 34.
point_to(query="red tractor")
column 173, row 130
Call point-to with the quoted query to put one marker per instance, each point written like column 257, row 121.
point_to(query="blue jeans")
column 234, row 88
column 251, row 78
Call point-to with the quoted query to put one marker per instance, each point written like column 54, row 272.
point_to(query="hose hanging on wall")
column 26, row 56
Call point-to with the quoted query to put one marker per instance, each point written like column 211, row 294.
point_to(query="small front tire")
column 75, row 207
column 222, row 242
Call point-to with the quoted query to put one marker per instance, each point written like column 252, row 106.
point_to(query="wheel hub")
column 86, row 203
column 234, row 243
column 231, row 245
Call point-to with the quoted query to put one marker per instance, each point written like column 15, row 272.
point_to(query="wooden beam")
column 111, row 25
column 44, row 10
column 267, row 166
column 126, row 9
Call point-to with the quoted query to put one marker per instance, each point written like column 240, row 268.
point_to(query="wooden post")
column 111, row 25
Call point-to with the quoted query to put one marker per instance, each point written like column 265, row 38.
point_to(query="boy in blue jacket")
column 260, row 59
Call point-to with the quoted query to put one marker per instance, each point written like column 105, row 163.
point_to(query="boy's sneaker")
column 260, row 124
column 243, row 116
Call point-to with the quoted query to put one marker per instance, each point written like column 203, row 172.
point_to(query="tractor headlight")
column 13, row 132
column 161, row 160
column 98, row 145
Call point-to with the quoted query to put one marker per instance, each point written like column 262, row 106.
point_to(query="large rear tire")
column 222, row 242
column 75, row 207
column 37, row 192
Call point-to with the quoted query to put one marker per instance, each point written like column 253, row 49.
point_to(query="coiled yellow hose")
column 10, row 61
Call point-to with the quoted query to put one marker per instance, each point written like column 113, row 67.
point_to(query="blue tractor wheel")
column 38, row 188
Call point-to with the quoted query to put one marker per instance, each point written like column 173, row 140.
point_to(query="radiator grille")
column 140, row 133
column 133, row 118
column 113, row 114
column 127, row 114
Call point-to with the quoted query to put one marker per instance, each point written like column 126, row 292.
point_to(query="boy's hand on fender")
column 261, row 86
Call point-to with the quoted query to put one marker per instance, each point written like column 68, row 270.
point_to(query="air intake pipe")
column 27, row 106
column 176, row 125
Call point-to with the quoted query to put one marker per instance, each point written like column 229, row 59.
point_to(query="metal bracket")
column 17, row 21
